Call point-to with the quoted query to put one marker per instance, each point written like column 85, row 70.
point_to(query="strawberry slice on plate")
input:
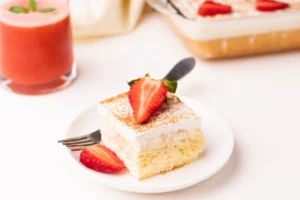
column 270, row 5
column 101, row 159
column 146, row 96
column 210, row 8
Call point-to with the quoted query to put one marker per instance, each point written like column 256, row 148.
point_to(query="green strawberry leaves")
column 170, row 84
column 130, row 83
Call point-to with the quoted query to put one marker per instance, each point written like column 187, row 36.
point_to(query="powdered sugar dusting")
column 172, row 112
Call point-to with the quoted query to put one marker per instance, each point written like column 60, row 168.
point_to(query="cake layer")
column 171, row 154
column 125, row 149
column 243, row 45
column 151, row 160
column 173, row 115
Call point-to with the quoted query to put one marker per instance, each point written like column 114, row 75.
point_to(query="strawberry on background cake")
column 214, row 29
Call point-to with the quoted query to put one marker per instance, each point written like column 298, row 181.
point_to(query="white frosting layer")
column 172, row 116
column 203, row 30
column 244, row 20
column 141, row 139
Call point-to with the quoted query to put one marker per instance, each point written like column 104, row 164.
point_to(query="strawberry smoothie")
column 36, row 46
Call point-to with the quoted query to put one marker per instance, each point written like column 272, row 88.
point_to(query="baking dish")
column 242, row 32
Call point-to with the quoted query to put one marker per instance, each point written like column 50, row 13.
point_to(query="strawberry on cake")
column 229, row 28
column 149, row 129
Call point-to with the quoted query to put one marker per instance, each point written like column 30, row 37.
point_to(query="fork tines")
column 82, row 142
column 78, row 142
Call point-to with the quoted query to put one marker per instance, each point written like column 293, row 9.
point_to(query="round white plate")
column 218, row 148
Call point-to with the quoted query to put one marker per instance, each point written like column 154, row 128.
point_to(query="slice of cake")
column 167, row 139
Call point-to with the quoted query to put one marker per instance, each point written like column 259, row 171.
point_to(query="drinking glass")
column 36, row 50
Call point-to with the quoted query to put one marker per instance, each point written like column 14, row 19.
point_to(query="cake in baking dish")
column 169, row 139
column 230, row 28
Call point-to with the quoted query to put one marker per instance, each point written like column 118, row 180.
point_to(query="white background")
column 259, row 97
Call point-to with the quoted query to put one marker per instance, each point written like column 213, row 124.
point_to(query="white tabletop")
column 259, row 97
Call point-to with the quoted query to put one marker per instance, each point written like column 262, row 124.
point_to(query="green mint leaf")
column 32, row 4
column 46, row 10
column 171, row 85
column 18, row 9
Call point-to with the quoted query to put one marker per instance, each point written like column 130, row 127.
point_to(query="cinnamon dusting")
column 172, row 112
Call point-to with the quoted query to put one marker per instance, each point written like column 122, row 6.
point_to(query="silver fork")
column 82, row 142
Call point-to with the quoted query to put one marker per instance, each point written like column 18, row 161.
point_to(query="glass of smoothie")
column 36, row 51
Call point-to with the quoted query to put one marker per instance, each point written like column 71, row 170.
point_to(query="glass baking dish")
column 245, row 31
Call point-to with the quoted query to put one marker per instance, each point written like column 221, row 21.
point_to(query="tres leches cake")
column 150, row 129
column 228, row 28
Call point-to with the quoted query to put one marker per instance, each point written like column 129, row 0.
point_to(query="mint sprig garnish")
column 46, row 10
column 18, row 9
column 32, row 6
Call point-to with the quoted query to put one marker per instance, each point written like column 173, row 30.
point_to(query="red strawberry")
column 270, row 5
column 101, row 159
column 210, row 8
column 146, row 96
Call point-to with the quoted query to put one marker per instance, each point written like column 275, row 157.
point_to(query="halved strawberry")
column 210, row 8
column 146, row 96
column 101, row 159
column 270, row 5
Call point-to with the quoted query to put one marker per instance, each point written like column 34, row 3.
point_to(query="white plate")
column 218, row 148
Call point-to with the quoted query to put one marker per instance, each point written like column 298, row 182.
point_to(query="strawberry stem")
column 170, row 84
